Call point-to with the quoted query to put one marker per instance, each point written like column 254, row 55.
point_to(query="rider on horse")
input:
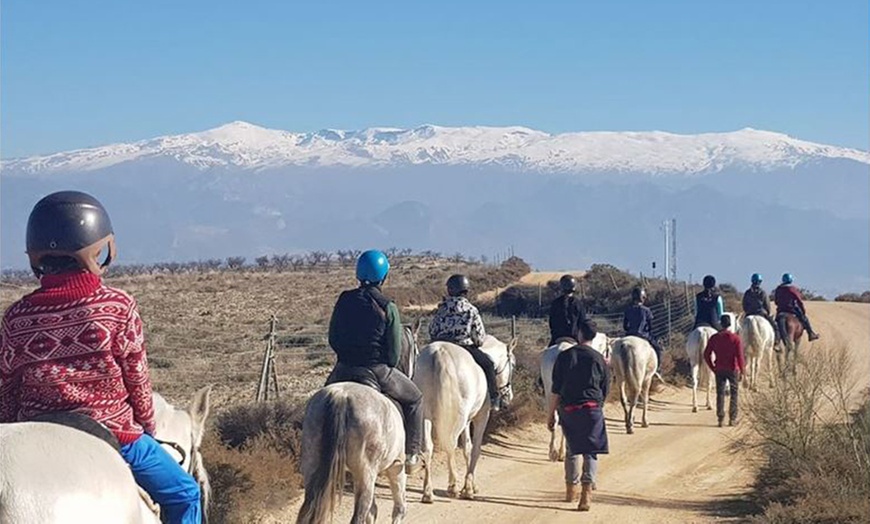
column 76, row 345
column 637, row 321
column 366, row 333
column 709, row 306
column 459, row 322
column 566, row 311
column 789, row 300
column 756, row 302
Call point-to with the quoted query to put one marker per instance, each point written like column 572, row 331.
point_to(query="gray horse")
column 352, row 427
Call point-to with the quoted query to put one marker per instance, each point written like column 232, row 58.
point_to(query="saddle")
column 92, row 427
column 81, row 423
column 359, row 374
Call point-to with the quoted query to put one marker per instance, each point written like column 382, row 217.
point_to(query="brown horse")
column 792, row 332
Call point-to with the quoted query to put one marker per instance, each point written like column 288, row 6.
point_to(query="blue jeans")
column 175, row 490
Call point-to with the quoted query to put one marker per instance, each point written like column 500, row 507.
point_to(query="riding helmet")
column 709, row 282
column 568, row 284
column 457, row 285
column 372, row 267
column 756, row 279
column 73, row 224
column 787, row 278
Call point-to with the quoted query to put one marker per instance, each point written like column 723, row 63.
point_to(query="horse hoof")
column 645, row 424
column 452, row 492
column 694, row 409
column 709, row 408
column 629, row 430
column 466, row 494
column 554, row 457
column 427, row 498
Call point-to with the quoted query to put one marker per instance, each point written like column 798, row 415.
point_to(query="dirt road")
column 681, row 469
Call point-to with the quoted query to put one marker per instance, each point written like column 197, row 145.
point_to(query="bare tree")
column 235, row 263
column 262, row 262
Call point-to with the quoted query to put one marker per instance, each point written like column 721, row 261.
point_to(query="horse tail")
column 445, row 405
column 323, row 489
column 627, row 357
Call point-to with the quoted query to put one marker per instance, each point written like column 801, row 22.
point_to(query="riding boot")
column 572, row 491
column 585, row 498
column 806, row 324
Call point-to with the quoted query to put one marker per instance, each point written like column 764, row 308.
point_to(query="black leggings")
column 483, row 360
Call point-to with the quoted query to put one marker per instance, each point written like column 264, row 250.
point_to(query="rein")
column 178, row 449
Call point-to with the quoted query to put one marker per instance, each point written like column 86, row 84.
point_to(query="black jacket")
column 580, row 375
column 358, row 328
column 566, row 313
column 708, row 308
column 638, row 321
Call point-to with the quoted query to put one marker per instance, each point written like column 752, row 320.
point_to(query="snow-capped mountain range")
column 241, row 145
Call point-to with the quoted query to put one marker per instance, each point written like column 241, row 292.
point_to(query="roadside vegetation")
column 814, row 439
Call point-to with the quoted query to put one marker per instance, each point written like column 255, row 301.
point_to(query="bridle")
column 509, row 365
column 181, row 451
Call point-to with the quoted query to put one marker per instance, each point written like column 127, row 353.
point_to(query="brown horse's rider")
column 789, row 300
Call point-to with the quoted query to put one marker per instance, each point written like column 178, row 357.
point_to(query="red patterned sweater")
column 76, row 345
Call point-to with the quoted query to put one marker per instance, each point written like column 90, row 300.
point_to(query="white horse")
column 634, row 363
column 758, row 338
column 353, row 427
column 696, row 343
column 54, row 474
column 455, row 397
column 600, row 343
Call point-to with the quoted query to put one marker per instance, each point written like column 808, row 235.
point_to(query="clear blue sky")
column 83, row 73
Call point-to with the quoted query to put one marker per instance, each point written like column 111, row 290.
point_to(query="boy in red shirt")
column 729, row 365
column 77, row 345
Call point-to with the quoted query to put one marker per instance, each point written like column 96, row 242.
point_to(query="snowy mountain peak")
column 246, row 146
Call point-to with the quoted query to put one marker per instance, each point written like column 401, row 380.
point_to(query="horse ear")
column 198, row 411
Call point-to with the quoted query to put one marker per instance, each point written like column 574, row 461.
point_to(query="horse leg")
column 398, row 481
column 465, row 442
column 554, row 453
column 707, row 382
column 479, row 421
column 452, row 490
column 428, row 448
column 695, row 371
column 646, row 385
column 364, row 508
column 625, row 409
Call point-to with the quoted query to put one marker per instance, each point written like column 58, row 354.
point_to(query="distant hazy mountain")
column 745, row 201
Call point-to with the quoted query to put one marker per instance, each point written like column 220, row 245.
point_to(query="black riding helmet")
column 568, row 284
column 72, row 224
column 709, row 282
column 458, row 285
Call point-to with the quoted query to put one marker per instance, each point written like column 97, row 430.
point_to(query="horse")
column 696, row 343
column 456, row 405
column 792, row 333
column 55, row 474
column 758, row 337
column 600, row 343
column 353, row 427
column 634, row 363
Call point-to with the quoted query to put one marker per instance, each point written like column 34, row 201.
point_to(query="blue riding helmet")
column 787, row 278
column 756, row 278
column 372, row 267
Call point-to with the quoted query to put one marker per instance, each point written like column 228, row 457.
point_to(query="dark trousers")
column 396, row 385
column 483, row 360
column 729, row 378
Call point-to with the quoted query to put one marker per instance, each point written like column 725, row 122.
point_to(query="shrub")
column 816, row 451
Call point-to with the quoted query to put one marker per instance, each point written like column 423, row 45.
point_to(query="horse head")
column 181, row 432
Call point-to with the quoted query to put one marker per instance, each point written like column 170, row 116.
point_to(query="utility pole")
column 674, row 249
column 666, row 227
